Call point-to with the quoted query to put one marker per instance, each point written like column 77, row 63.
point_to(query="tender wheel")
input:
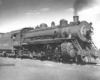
column 5, row 55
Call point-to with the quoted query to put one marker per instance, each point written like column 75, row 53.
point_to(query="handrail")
column 94, row 45
column 77, row 45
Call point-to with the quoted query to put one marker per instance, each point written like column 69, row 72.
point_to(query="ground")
column 26, row 69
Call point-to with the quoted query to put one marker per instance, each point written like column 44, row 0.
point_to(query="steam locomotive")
column 65, row 42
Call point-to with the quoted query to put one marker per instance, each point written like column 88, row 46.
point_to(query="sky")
column 16, row 14
column 31, row 12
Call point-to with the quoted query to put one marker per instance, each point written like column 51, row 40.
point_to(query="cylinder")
column 76, row 19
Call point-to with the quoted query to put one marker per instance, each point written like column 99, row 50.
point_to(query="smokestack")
column 76, row 19
column 82, row 4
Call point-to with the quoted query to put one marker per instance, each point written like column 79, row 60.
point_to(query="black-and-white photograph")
column 49, row 39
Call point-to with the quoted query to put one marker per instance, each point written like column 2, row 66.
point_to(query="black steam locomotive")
column 66, row 42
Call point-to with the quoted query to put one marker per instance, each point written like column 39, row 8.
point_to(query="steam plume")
column 81, row 4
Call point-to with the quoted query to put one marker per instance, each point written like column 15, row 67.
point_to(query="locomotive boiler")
column 81, row 30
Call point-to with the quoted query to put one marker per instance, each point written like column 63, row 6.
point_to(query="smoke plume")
column 82, row 4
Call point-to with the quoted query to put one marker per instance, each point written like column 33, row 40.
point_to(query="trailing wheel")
column 5, row 54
